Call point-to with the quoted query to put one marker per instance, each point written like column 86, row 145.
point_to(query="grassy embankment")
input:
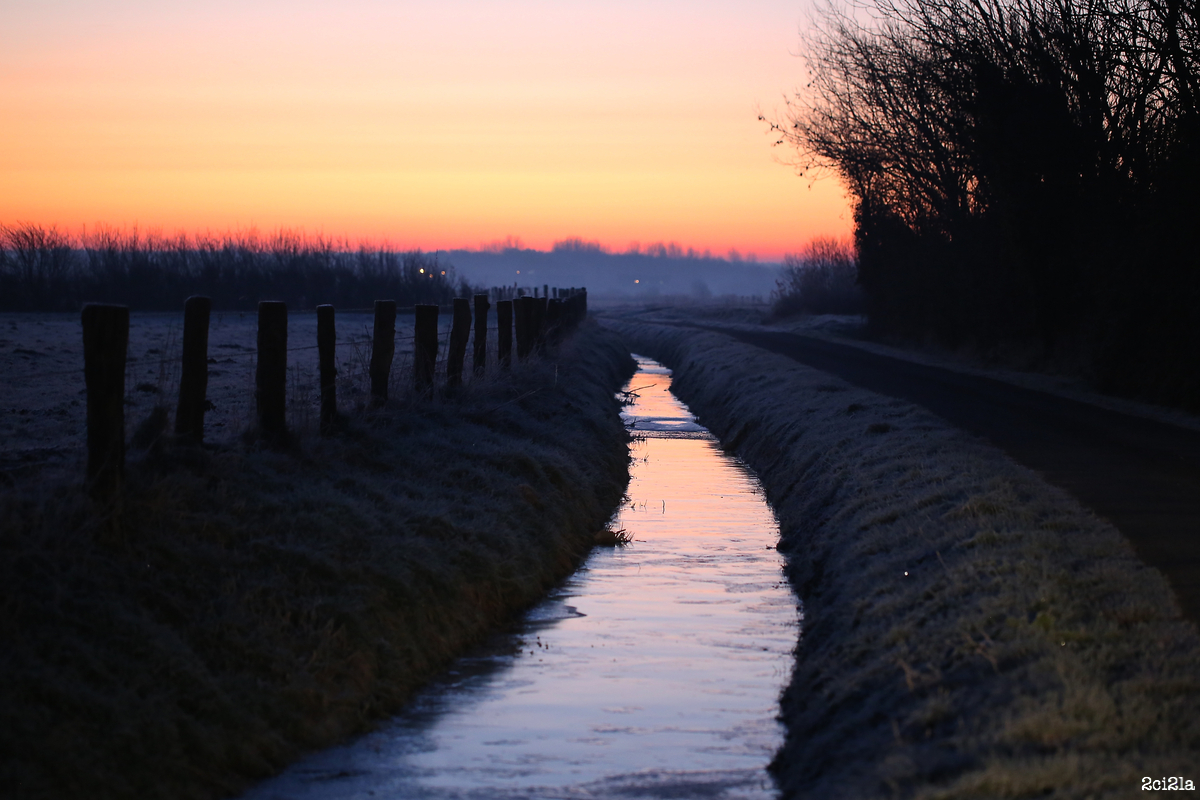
column 969, row 631
column 256, row 604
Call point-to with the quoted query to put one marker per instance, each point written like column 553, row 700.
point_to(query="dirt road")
column 1142, row 475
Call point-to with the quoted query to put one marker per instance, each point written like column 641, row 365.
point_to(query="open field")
column 42, row 408
column 249, row 605
column 969, row 631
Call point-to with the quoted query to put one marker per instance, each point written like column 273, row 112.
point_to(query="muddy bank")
column 969, row 631
column 254, row 605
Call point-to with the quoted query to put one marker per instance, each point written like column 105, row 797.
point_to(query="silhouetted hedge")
column 1023, row 173
column 42, row 269
column 823, row 279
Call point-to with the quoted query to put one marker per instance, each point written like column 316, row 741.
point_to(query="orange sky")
column 425, row 124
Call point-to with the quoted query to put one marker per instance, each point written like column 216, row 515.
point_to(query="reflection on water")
column 653, row 672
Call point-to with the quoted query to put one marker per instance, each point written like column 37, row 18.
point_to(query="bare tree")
column 1022, row 171
column 822, row 279
column 39, row 261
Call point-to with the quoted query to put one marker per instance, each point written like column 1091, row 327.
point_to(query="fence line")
column 231, row 356
column 540, row 324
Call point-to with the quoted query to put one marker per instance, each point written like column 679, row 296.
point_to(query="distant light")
column 422, row 270
column 635, row 280
column 518, row 272
column 443, row 272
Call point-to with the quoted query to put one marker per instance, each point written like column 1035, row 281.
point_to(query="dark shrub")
column 823, row 279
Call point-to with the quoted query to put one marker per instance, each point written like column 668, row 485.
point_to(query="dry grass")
column 969, row 631
column 611, row 538
column 249, row 605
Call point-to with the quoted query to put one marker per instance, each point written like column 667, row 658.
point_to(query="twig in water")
column 632, row 393
column 619, row 538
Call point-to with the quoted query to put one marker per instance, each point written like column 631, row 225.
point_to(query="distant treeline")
column 43, row 269
column 1024, row 174
column 637, row 273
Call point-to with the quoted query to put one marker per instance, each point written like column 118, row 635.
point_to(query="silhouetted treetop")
column 1023, row 172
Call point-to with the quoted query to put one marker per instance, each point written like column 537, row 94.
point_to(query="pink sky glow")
column 423, row 124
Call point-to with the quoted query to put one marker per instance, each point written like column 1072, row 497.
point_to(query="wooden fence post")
column 538, row 327
column 105, row 345
column 193, row 376
column 570, row 315
column 460, row 334
column 523, row 317
column 425, row 347
column 580, row 309
column 383, row 348
column 270, row 396
column 326, row 346
column 479, row 363
column 554, row 321
column 504, row 320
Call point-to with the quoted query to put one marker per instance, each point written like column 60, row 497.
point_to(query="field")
column 42, row 409
column 245, row 604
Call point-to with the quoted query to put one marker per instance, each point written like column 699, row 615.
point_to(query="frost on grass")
column 249, row 605
column 969, row 631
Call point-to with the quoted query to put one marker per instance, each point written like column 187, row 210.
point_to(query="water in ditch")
column 653, row 672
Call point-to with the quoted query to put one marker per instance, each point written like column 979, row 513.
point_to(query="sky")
column 433, row 124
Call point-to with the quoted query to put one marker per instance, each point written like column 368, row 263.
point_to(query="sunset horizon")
column 150, row 238
column 427, row 127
